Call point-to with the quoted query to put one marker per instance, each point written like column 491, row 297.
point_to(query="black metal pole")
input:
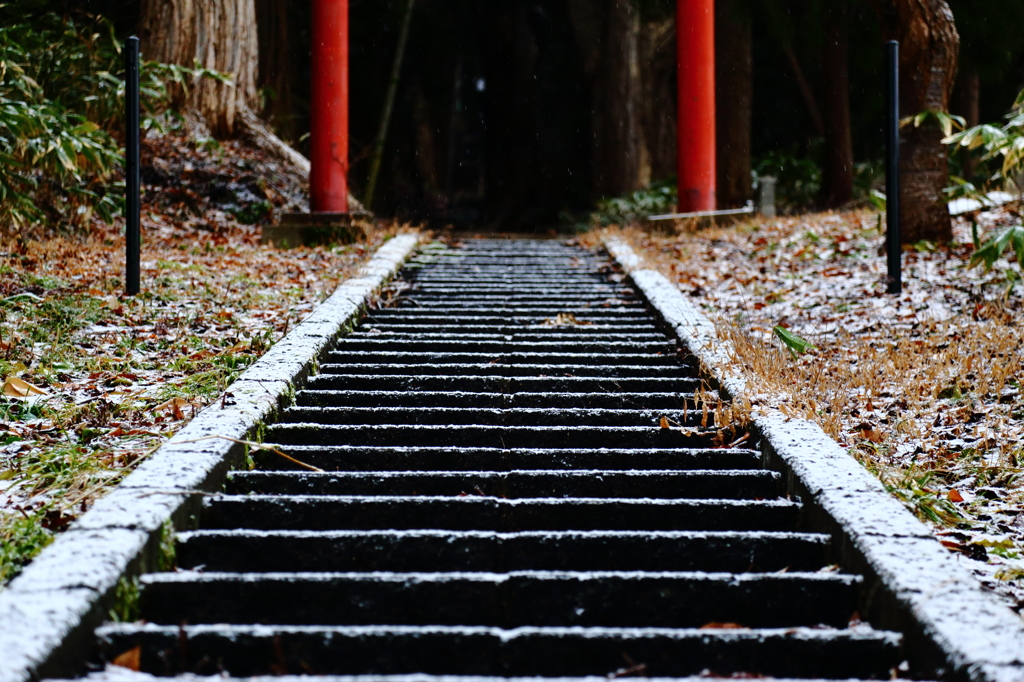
column 892, row 168
column 133, row 208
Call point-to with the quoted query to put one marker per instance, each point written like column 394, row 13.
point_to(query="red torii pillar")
column 695, row 37
column 328, row 177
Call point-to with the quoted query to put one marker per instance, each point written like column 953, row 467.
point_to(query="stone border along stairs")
column 48, row 613
column 951, row 624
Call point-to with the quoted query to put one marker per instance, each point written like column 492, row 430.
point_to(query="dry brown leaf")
column 872, row 435
column 131, row 659
column 664, row 423
column 955, row 496
column 19, row 388
column 176, row 407
column 565, row 319
column 722, row 626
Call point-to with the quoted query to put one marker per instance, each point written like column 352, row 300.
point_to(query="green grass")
column 21, row 540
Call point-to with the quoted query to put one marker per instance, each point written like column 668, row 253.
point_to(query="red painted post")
column 328, row 178
column 695, row 37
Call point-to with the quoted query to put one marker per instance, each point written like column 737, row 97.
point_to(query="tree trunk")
column 627, row 163
column 589, row 21
column 220, row 35
column 928, row 57
column 967, row 103
column 276, row 69
column 734, row 84
column 658, row 74
column 837, row 187
column 806, row 93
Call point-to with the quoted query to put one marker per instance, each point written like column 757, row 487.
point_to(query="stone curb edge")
column 952, row 626
column 48, row 613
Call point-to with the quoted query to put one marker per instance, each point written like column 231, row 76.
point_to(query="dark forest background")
column 524, row 112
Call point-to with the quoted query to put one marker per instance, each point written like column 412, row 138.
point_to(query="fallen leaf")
column 664, row 423
column 872, row 435
column 175, row 407
column 565, row 319
column 722, row 626
column 18, row 388
column 131, row 659
column 955, row 496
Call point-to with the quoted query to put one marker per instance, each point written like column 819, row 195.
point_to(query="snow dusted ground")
column 923, row 388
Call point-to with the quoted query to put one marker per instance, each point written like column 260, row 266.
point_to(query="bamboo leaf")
column 796, row 345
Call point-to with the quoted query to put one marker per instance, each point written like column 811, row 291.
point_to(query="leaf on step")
column 664, row 423
column 131, row 659
column 722, row 626
column 18, row 388
column 565, row 319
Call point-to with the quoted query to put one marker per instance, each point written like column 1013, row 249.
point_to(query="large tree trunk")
column 658, row 74
column 627, row 163
column 806, row 93
column 837, row 187
column 220, row 35
column 589, row 20
column 276, row 70
column 929, row 44
column 734, row 84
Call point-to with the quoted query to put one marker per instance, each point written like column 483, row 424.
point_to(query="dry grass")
column 923, row 388
column 122, row 375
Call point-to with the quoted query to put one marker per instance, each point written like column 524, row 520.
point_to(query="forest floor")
column 923, row 388
column 93, row 381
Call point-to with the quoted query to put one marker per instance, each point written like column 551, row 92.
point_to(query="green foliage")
column 962, row 189
column 126, row 600
column 20, row 541
column 796, row 345
column 913, row 490
column 658, row 197
column 868, row 178
column 1005, row 142
column 799, row 178
column 61, row 98
column 947, row 122
column 993, row 249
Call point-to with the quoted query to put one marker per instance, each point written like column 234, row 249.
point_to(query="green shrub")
column 61, row 110
column 799, row 178
column 55, row 162
column 657, row 198
column 1004, row 145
